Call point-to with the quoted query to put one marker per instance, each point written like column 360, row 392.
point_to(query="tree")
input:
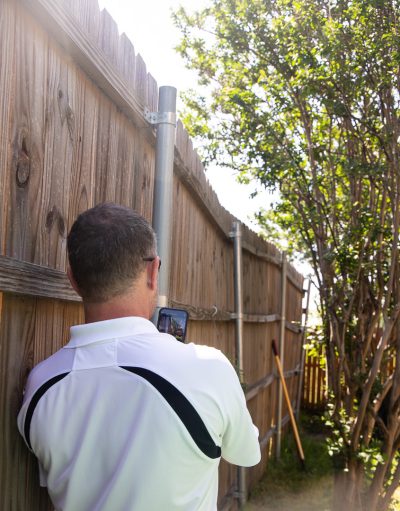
column 303, row 95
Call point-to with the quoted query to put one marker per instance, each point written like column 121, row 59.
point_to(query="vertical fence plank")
column 127, row 60
column 86, row 13
column 84, row 156
column 25, row 178
column 141, row 80
column 152, row 93
column 106, row 151
column 7, row 88
column 59, row 139
column 19, row 485
column 108, row 38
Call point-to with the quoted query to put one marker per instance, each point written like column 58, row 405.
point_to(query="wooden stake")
column 289, row 405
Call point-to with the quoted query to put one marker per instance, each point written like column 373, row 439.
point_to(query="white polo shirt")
column 125, row 418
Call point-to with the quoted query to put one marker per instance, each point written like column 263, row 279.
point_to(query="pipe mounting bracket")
column 156, row 118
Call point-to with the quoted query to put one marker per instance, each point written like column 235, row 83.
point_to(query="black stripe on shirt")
column 34, row 401
column 183, row 408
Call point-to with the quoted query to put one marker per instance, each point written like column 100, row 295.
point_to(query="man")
column 123, row 417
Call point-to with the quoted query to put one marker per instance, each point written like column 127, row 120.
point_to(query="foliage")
column 315, row 344
column 303, row 95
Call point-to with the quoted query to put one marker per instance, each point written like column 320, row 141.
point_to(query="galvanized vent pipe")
column 165, row 120
column 238, row 275
column 237, row 247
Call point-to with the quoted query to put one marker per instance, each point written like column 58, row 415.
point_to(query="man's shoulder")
column 53, row 366
column 213, row 357
column 205, row 352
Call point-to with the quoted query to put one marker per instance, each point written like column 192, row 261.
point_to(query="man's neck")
column 120, row 307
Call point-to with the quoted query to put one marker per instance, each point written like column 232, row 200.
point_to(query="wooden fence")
column 72, row 134
column 315, row 385
column 314, row 392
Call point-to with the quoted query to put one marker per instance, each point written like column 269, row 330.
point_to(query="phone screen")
column 174, row 322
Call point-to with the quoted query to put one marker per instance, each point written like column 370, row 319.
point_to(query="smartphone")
column 174, row 322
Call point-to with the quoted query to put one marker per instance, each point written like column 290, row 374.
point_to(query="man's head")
column 109, row 247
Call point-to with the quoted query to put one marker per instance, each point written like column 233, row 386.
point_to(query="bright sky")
column 149, row 26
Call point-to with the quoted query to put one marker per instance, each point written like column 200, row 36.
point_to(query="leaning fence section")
column 73, row 133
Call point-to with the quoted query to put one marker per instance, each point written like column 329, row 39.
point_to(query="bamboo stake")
column 289, row 405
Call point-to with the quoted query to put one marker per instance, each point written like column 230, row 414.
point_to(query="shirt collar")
column 82, row 335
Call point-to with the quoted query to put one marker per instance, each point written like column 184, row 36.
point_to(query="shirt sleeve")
column 32, row 384
column 22, row 414
column 42, row 476
column 240, row 445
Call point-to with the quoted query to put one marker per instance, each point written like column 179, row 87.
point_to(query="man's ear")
column 72, row 280
column 152, row 273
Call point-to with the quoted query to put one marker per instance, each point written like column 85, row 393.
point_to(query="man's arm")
column 240, row 444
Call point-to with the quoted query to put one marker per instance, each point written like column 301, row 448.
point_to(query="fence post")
column 282, row 327
column 165, row 120
column 303, row 351
column 237, row 244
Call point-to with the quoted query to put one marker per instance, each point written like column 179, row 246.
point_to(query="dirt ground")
column 316, row 497
column 286, row 486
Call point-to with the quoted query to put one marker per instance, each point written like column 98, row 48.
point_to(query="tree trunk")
column 349, row 492
column 347, row 489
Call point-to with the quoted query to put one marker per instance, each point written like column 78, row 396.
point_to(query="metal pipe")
column 165, row 119
column 237, row 237
column 282, row 327
column 238, row 274
column 303, row 352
